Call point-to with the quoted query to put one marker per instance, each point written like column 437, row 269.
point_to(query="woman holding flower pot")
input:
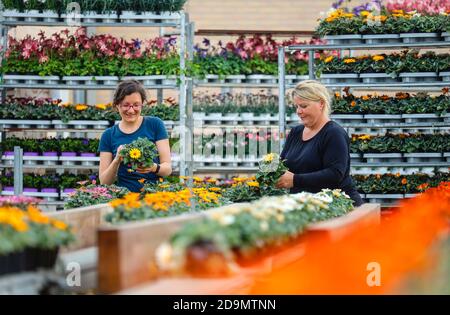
column 129, row 98
column 316, row 153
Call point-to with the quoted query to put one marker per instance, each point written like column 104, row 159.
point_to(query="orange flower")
column 81, row 107
column 60, row 225
column 142, row 180
column 404, row 181
column 365, row 97
column 353, row 104
column 377, row 58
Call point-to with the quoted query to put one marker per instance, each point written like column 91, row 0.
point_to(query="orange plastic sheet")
column 374, row 260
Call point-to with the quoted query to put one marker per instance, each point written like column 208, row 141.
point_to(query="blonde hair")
column 315, row 91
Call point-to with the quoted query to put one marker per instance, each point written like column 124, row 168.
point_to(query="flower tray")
column 382, row 38
column 13, row 79
column 12, row 123
column 90, row 80
column 423, row 157
column 410, row 38
column 331, row 78
column 344, row 39
column 383, row 157
column 150, row 17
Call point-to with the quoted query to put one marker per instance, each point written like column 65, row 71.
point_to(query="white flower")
column 164, row 256
column 227, row 220
column 323, row 197
column 264, row 226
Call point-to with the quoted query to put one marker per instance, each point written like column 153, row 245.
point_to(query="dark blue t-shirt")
column 152, row 128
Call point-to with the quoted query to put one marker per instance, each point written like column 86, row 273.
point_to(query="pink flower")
column 43, row 58
column 243, row 54
column 259, row 49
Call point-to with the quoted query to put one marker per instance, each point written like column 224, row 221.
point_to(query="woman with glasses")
column 317, row 153
column 128, row 100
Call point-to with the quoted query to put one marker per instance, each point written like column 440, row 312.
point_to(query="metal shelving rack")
column 178, row 20
column 404, row 86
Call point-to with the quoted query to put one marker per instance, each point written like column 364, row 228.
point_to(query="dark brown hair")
column 126, row 88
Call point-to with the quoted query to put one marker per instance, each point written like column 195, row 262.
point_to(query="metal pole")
column 183, row 138
column 281, row 97
column 160, row 92
column 18, row 171
column 189, row 102
column 311, row 64
column 4, row 34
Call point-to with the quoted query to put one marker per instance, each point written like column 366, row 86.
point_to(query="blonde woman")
column 317, row 152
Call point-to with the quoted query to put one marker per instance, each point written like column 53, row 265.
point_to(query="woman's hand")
column 118, row 157
column 286, row 180
column 145, row 170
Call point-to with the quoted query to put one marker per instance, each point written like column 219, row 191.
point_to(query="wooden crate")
column 85, row 222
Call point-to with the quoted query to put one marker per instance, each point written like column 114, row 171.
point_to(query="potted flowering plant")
column 139, row 154
column 271, row 168
column 29, row 239
column 94, row 194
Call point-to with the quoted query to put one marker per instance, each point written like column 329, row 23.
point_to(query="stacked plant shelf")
column 99, row 64
column 378, row 122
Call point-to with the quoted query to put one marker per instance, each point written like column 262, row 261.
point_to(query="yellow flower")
column 197, row 179
column 101, row 106
column 349, row 60
column 81, row 107
column 364, row 137
column 377, row 58
column 215, row 189
column 253, row 184
column 135, row 153
column 129, row 170
column 365, row 13
column 328, row 59
column 269, row 158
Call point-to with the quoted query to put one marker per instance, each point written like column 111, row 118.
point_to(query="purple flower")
column 137, row 43
column 93, row 177
column 206, row 42
column 337, row 4
column 85, row 142
column 172, row 41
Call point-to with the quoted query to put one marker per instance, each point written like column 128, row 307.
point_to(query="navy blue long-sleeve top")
column 320, row 162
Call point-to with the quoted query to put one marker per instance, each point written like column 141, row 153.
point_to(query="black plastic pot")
column 46, row 258
column 12, row 263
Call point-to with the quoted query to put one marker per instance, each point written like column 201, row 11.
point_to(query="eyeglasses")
column 128, row 106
